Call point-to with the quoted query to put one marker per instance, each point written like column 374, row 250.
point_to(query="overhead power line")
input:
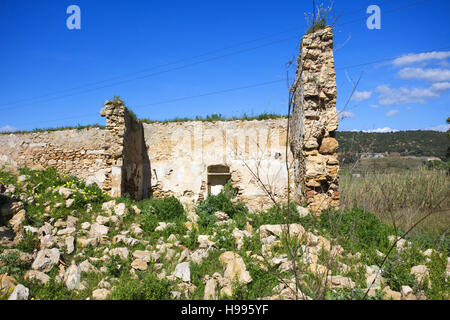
column 180, row 67
column 229, row 89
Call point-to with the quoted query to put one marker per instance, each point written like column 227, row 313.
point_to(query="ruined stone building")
column 192, row 159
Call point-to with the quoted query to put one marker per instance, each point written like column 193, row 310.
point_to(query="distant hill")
column 405, row 143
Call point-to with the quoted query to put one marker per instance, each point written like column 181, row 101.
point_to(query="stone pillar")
column 114, row 111
column 128, row 165
column 314, row 121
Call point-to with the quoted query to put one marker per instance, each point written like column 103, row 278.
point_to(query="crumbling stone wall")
column 118, row 157
column 314, row 122
column 125, row 153
column 74, row 152
column 181, row 152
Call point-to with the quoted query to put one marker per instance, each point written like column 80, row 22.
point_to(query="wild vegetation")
column 142, row 247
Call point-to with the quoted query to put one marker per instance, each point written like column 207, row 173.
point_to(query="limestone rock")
column 139, row 264
column 340, row 282
column 72, row 277
column 235, row 267
column 391, row 294
column 210, row 289
column 65, row 192
column 121, row 252
column 183, row 271
column 98, row 230
column 295, row 230
column 420, row 272
column 329, row 146
column 100, row 294
column 20, row 292
column 45, row 260
column 37, row 275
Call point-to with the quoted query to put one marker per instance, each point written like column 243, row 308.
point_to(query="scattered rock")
column 295, row 230
column 121, row 252
column 204, row 242
column 139, row 264
column 210, row 289
column 69, row 203
column 183, row 272
column 85, row 266
column 340, row 282
column 420, row 272
column 100, row 294
column 65, row 192
column 120, row 209
column 7, row 282
column 69, row 244
column 37, row 275
column 407, row 293
column 391, row 294
column 20, row 292
column 45, row 260
column 72, row 277
column 98, row 230
column 235, row 267
column 125, row 240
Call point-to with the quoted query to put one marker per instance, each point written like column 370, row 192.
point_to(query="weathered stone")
column 235, row 267
column 340, row 282
column 98, row 231
column 65, row 192
column 72, row 277
column 121, row 252
column 46, row 259
column 420, row 272
column 139, row 264
column 391, row 294
column 7, row 282
column 37, row 275
column 183, row 271
column 100, row 294
column 329, row 146
column 295, row 230
column 210, row 289
column 20, row 293
column 204, row 242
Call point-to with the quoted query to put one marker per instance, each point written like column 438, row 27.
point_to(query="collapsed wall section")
column 74, row 152
column 314, row 121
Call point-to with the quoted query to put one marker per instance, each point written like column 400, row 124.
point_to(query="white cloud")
column 381, row 130
column 8, row 129
column 401, row 95
column 361, row 95
column 421, row 57
column 441, row 127
column 374, row 106
column 430, row 75
column 392, row 113
column 346, row 115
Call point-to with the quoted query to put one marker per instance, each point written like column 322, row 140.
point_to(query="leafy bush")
column 276, row 215
column 220, row 202
column 356, row 229
column 166, row 209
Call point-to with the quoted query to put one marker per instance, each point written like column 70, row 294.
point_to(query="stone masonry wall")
column 314, row 122
column 181, row 152
column 161, row 159
column 74, row 152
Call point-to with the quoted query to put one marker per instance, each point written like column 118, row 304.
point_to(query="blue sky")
column 52, row 76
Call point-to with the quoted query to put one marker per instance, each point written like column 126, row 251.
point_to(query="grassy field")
column 403, row 196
